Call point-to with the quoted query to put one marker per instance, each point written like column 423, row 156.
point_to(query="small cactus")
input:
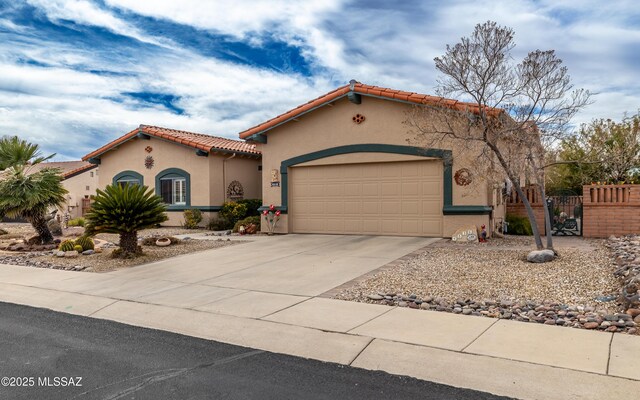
column 86, row 242
column 67, row 245
column 78, row 248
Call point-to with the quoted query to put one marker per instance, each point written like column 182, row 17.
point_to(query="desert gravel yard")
column 102, row 261
column 495, row 280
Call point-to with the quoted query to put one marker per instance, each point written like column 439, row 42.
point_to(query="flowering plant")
column 271, row 216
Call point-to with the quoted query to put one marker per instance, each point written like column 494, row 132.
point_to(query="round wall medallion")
column 358, row 118
column 463, row 177
column 235, row 190
column 148, row 162
column 148, row 149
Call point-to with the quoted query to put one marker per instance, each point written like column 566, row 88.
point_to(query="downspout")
column 224, row 177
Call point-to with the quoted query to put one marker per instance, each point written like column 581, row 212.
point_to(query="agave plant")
column 125, row 210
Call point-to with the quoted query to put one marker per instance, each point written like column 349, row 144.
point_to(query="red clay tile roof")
column 199, row 141
column 366, row 90
column 68, row 168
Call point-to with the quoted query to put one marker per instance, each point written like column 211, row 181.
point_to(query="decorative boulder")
column 466, row 234
column 163, row 242
column 71, row 254
column 35, row 239
column 54, row 227
column 541, row 256
column 59, row 253
column 88, row 252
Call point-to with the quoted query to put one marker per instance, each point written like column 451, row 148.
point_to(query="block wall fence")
column 606, row 209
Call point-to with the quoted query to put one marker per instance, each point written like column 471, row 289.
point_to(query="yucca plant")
column 25, row 195
column 125, row 210
column 31, row 197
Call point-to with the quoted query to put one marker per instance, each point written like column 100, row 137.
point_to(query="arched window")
column 128, row 178
column 174, row 186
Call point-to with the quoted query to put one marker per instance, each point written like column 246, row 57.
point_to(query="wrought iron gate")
column 565, row 209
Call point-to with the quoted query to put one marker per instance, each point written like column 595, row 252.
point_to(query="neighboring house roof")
column 198, row 141
column 366, row 90
column 69, row 168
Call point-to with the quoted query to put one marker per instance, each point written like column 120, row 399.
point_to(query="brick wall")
column 611, row 210
column 517, row 208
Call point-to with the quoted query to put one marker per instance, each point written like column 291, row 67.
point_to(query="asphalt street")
column 50, row 355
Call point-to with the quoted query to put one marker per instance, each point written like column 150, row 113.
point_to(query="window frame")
column 128, row 176
column 175, row 175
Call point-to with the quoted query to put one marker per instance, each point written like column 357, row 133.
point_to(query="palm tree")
column 15, row 152
column 27, row 195
column 125, row 209
column 31, row 197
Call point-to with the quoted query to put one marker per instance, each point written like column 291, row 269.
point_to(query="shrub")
column 218, row 224
column 78, row 248
column 518, row 225
column 232, row 212
column 254, row 219
column 76, row 222
column 67, row 245
column 192, row 218
column 252, row 206
column 85, row 242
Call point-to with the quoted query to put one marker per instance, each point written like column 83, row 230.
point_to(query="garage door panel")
column 370, row 189
column 334, row 207
column 392, row 198
column 430, row 187
column 370, row 226
column 370, row 207
column 411, row 208
column 389, row 188
column 410, row 188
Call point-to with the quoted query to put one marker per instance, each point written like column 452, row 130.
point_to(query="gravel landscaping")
column 577, row 289
column 102, row 261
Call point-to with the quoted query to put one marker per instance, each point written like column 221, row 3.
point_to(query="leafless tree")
column 514, row 110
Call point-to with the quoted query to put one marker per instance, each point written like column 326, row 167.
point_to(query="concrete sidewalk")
column 270, row 302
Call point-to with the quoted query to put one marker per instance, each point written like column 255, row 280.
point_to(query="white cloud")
column 87, row 13
column 392, row 46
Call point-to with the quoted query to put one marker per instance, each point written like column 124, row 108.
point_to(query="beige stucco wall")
column 384, row 123
column 206, row 173
column 79, row 186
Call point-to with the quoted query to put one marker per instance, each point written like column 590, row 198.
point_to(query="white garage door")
column 390, row 198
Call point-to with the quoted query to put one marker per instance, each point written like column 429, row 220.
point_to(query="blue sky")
column 75, row 74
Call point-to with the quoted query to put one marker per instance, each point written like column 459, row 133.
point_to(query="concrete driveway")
column 303, row 265
column 250, row 279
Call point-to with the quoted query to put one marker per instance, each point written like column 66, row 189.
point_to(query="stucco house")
column 342, row 164
column 80, row 179
column 188, row 170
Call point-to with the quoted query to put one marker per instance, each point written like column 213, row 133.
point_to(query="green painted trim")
column 182, row 173
column 124, row 174
column 94, row 160
column 445, row 155
column 202, row 153
column 143, row 135
column 467, row 210
column 201, row 208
